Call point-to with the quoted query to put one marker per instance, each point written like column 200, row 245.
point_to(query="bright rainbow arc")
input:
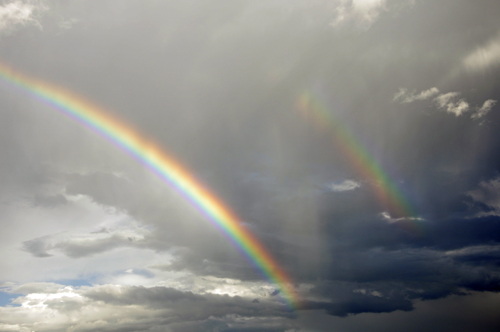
column 165, row 167
column 385, row 189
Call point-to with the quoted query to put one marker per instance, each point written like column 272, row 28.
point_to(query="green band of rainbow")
column 164, row 166
column 385, row 189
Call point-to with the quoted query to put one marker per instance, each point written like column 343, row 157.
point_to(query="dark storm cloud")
column 389, row 281
column 461, row 313
column 362, row 304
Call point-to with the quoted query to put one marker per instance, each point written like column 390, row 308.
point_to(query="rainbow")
column 365, row 164
column 164, row 166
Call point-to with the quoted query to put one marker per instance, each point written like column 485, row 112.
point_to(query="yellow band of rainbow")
column 168, row 169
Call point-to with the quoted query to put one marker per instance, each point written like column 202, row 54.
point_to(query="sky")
column 354, row 140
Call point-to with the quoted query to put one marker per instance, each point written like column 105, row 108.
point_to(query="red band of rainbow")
column 168, row 169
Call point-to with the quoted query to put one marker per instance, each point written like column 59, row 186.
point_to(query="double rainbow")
column 365, row 164
column 163, row 165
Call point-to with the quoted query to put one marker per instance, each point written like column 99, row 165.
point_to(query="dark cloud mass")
column 93, row 240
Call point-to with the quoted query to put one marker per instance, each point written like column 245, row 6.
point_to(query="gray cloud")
column 82, row 245
column 488, row 193
column 37, row 247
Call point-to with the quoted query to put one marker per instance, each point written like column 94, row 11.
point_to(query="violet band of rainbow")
column 164, row 166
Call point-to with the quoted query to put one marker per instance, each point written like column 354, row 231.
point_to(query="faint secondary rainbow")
column 385, row 189
column 164, row 166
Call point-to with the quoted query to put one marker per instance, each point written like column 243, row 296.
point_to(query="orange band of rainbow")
column 168, row 169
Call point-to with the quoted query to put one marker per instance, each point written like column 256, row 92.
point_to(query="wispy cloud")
column 448, row 101
column 365, row 12
column 407, row 98
column 343, row 186
column 68, row 24
column 484, row 56
column 485, row 109
column 387, row 217
column 17, row 13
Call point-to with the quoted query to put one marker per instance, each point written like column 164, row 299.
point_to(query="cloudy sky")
column 357, row 140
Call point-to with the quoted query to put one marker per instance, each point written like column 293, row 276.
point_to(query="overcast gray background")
column 93, row 241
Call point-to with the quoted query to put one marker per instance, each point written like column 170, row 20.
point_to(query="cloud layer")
column 93, row 240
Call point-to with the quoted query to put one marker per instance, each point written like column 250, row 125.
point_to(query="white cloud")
column 365, row 12
column 484, row 56
column 407, row 98
column 19, row 13
column 368, row 9
column 447, row 101
column 443, row 99
column 344, row 186
column 483, row 110
column 426, row 94
column 457, row 108
column 387, row 217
